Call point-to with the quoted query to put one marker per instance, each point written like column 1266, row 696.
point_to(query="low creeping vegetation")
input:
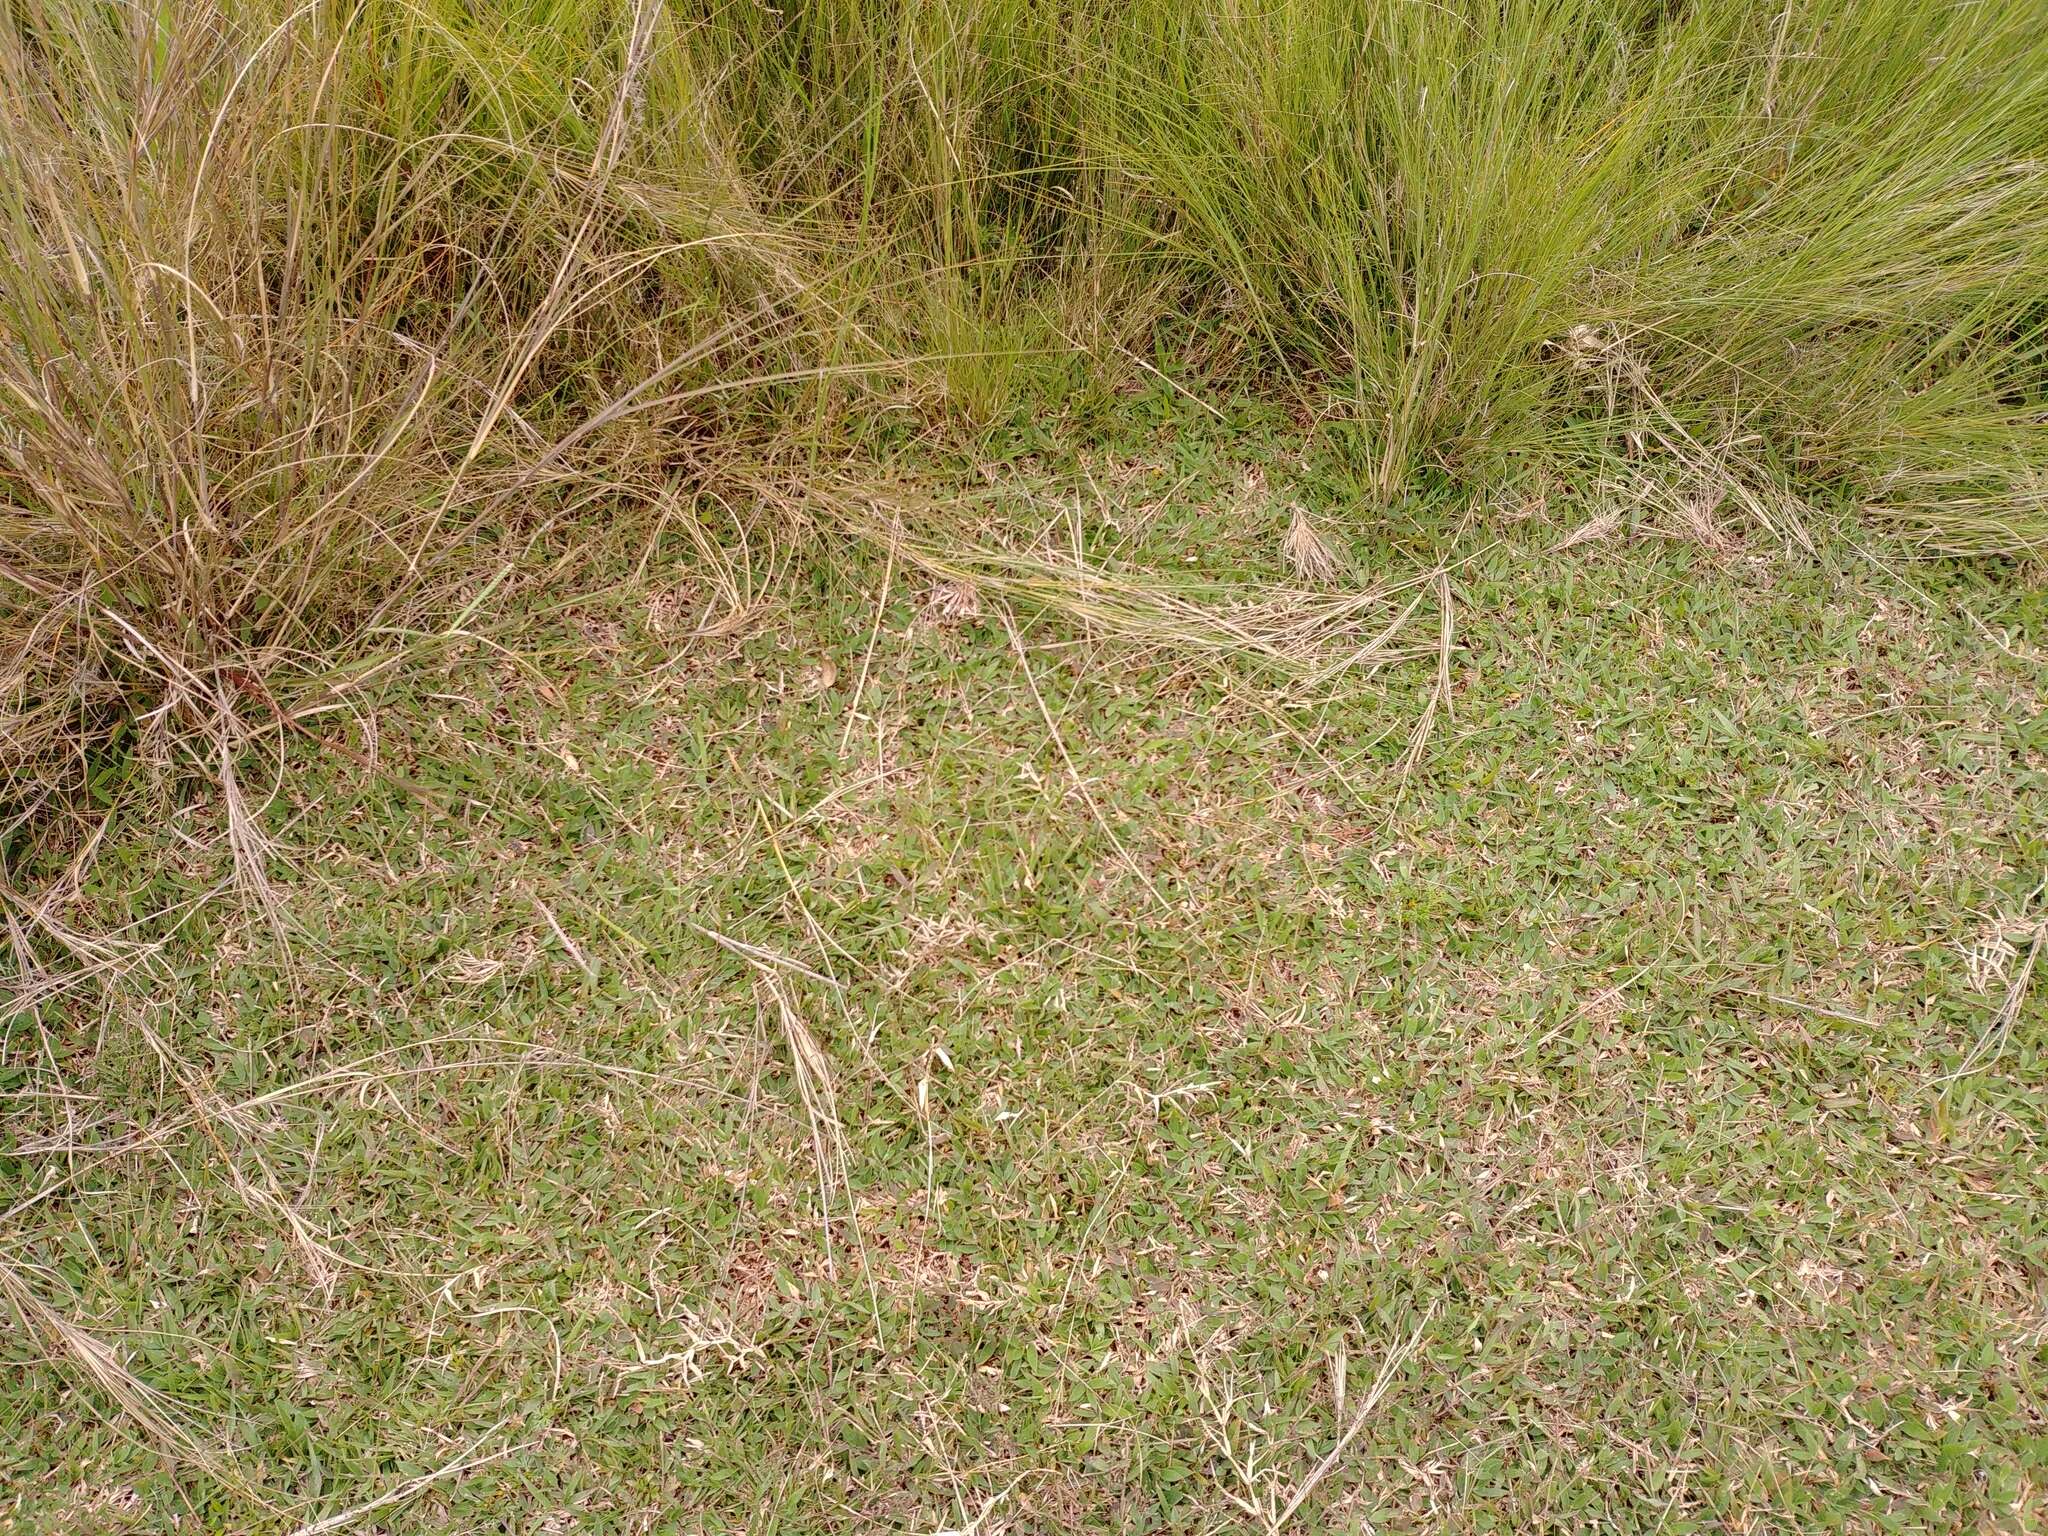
column 834, row 1075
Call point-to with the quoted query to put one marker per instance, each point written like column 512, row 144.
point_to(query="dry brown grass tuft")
column 1311, row 555
column 305, row 348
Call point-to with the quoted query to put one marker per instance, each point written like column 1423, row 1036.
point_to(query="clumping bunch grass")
column 1804, row 240
column 317, row 324
column 316, row 319
column 1810, row 231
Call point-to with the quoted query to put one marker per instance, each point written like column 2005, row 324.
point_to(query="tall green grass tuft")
column 1809, row 236
column 1784, row 250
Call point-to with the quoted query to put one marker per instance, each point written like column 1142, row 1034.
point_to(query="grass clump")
column 1803, row 235
column 311, row 325
column 1798, row 241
